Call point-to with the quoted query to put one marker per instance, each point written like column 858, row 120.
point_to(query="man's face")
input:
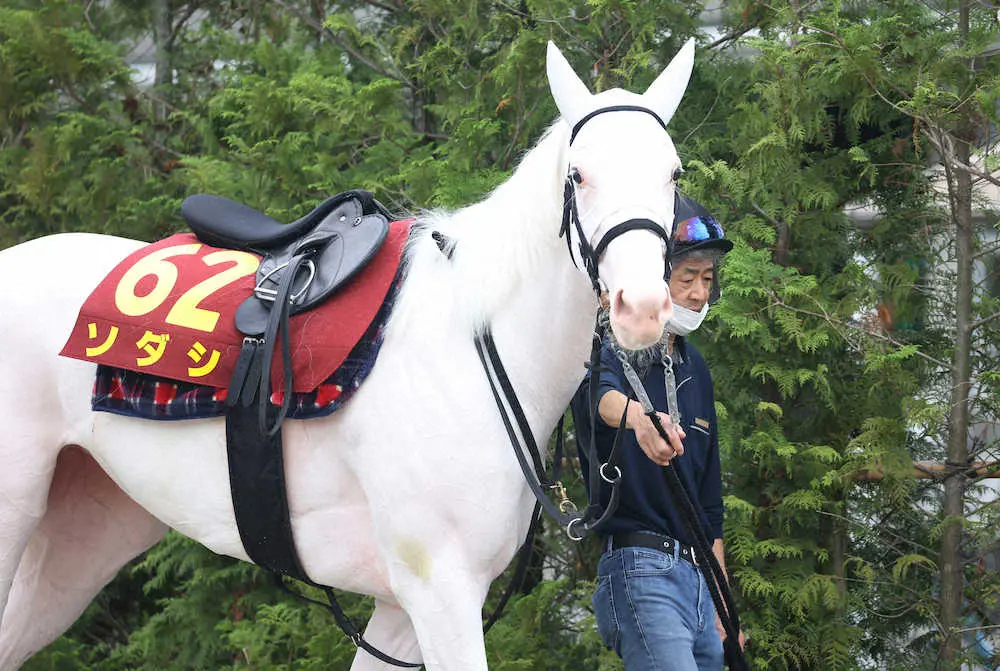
column 691, row 282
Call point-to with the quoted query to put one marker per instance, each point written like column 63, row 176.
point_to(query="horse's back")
column 46, row 280
column 75, row 261
column 44, row 283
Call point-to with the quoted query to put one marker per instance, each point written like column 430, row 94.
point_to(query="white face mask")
column 685, row 321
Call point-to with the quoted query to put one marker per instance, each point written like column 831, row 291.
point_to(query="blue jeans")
column 655, row 611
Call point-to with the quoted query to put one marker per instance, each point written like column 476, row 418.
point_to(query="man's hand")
column 658, row 450
column 722, row 633
column 611, row 407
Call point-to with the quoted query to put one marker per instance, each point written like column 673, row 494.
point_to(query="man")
column 652, row 604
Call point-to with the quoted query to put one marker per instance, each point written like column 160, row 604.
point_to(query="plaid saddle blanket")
column 160, row 327
column 126, row 392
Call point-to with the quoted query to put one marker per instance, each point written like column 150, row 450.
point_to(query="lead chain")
column 671, row 386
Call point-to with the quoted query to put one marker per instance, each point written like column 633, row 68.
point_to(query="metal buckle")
column 565, row 505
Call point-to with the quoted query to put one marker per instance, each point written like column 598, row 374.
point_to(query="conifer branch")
column 190, row 10
column 945, row 146
column 354, row 53
column 777, row 301
column 880, row 528
column 381, row 5
column 735, row 35
column 985, row 320
column 843, row 47
column 718, row 94
column 86, row 16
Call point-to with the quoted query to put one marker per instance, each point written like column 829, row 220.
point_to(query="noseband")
column 591, row 255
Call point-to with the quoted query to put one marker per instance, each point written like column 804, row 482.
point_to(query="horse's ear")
column 664, row 95
column 570, row 93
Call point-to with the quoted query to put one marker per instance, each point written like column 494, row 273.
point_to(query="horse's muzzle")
column 638, row 318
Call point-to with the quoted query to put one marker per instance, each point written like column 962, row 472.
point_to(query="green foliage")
column 830, row 348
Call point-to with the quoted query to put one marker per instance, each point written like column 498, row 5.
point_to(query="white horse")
column 410, row 493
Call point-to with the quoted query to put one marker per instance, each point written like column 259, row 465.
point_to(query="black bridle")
column 591, row 255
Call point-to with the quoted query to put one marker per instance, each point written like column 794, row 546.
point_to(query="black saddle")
column 303, row 263
column 221, row 222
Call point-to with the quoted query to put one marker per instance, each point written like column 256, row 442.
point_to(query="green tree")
column 841, row 352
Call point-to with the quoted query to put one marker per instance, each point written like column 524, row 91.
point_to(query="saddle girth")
column 302, row 265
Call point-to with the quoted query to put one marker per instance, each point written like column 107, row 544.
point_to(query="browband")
column 614, row 108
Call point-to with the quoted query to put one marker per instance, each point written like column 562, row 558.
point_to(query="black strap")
column 590, row 255
column 716, row 582
column 614, row 108
column 486, row 349
column 257, row 483
column 571, row 217
column 630, row 225
column 345, row 624
column 599, row 471
column 282, row 303
column 577, row 525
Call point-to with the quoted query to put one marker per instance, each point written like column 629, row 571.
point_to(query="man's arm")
column 611, row 407
column 720, row 554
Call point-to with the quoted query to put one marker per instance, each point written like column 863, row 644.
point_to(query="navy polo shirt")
column 645, row 503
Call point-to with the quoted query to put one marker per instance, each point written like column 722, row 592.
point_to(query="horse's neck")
column 516, row 276
column 504, row 243
column 544, row 338
column 510, row 271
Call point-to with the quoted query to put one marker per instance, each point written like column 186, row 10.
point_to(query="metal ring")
column 569, row 529
column 567, row 506
column 270, row 294
column 611, row 481
column 312, row 275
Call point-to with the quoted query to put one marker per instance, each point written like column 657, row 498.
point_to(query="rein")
column 718, row 586
column 577, row 525
column 564, row 512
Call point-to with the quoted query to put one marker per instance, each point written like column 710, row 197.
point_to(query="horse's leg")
column 24, row 483
column 389, row 630
column 444, row 601
column 29, row 445
column 90, row 530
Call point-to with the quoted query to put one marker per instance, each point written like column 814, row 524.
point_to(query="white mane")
column 499, row 242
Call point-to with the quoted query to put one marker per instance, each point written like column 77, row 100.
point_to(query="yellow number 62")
column 185, row 311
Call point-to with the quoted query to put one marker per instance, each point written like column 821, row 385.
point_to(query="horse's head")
column 623, row 169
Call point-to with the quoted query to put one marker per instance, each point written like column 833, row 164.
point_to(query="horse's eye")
column 576, row 176
column 677, row 174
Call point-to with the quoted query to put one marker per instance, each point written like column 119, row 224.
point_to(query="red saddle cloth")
column 168, row 310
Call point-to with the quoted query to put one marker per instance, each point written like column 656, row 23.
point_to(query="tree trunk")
column 838, row 556
column 960, row 192
column 163, row 39
column 317, row 10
